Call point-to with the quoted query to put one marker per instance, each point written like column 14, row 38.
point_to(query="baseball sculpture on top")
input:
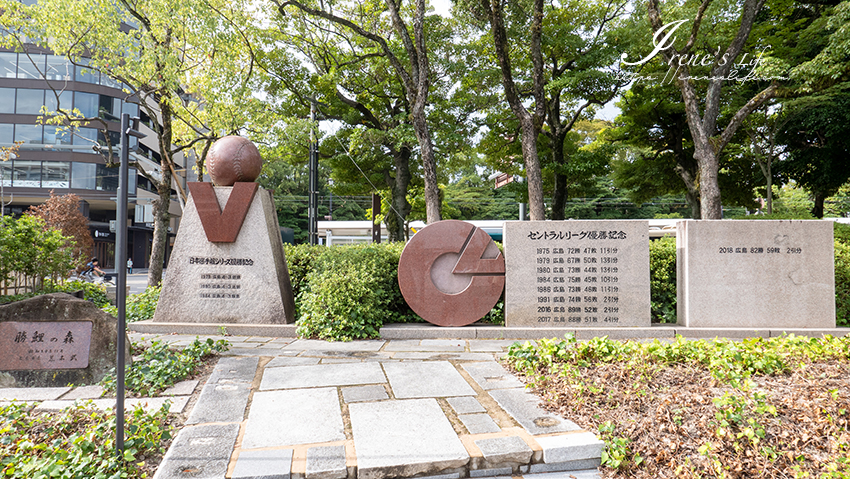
column 228, row 263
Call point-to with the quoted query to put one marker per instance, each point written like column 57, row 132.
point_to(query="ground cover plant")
column 139, row 307
column 157, row 367
column 79, row 443
column 777, row 407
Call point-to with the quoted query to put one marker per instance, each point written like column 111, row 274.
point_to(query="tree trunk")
column 162, row 204
column 769, row 178
column 817, row 211
column 709, row 189
column 559, row 201
column 433, row 205
column 396, row 219
column 691, row 189
column 533, row 172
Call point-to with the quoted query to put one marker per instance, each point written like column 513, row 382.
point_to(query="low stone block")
column 578, row 467
column 225, row 395
column 32, row 394
column 504, row 451
column 506, row 472
column 570, row 447
column 183, row 388
column 326, row 463
column 296, row 361
column 266, row 464
column 85, row 392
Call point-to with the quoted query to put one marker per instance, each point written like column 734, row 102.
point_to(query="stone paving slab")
column 326, row 463
column 479, row 423
column 199, row 452
column 523, row 407
column 426, row 379
column 32, row 394
column 85, row 392
column 489, row 345
column 292, row 417
column 183, row 388
column 322, row 376
column 317, row 345
column 291, row 361
column 265, row 464
column 177, row 404
column 491, row 375
column 459, row 356
column 455, row 345
column 404, row 438
column 225, row 395
column 372, row 392
column 465, row 405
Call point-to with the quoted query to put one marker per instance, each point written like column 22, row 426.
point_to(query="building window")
column 85, row 137
column 54, row 135
column 7, row 100
column 131, row 109
column 30, row 67
column 87, row 103
column 7, row 131
column 86, row 75
column 83, row 175
column 26, row 173
column 59, row 68
column 8, row 65
column 28, row 134
column 65, row 100
column 29, row 102
column 107, row 178
column 56, row 174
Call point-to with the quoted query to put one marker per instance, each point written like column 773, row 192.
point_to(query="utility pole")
column 313, row 188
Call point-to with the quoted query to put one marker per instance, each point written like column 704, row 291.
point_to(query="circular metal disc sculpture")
column 233, row 159
column 451, row 273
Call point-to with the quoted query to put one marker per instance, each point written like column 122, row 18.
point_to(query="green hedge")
column 347, row 292
column 662, row 279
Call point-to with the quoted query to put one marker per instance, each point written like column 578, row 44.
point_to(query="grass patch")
column 157, row 367
column 777, row 407
column 79, row 443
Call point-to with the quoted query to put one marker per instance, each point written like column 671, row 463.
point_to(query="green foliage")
column 351, row 291
column 160, row 367
column 842, row 274
column 139, row 307
column 31, row 249
column 616, row 453
column 300, row 260
column 96, row 293
column 662, row 279
column 78, row 443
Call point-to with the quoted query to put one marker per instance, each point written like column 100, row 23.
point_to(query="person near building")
column 129, row 265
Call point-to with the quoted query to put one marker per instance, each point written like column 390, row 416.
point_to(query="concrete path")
column 289, row 408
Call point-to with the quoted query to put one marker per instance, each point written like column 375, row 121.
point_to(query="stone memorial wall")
column 755, row 274
column 576, row 273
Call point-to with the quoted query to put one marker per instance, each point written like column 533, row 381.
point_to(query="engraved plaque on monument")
column 45, row 345
column 577, row 273
column 755, row 274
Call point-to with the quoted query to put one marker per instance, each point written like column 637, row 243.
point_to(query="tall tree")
column 149, row 47
column 62, row 213
column 703, row 114
column 411, row 65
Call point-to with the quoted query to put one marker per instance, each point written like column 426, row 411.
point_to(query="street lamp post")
column 120, row 261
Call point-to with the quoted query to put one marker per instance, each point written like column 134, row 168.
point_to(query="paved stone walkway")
column 290, row 408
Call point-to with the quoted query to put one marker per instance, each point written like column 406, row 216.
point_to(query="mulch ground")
column 672, row 421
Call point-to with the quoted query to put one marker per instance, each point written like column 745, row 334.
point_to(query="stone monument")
column 577, row 273
column 228, row 263
column 54, row 340
column 451, row 273
column 755, row 274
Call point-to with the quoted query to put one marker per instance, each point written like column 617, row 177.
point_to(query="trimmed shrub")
column 299, row 262
column 842, row 274
column 662, row 279
column 351, row 292
column 140, row 307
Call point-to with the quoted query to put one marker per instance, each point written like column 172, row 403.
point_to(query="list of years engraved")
column 578, row 285
column 759, row 250
column 220, row 286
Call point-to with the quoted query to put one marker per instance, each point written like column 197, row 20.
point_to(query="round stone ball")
column 233, row 158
